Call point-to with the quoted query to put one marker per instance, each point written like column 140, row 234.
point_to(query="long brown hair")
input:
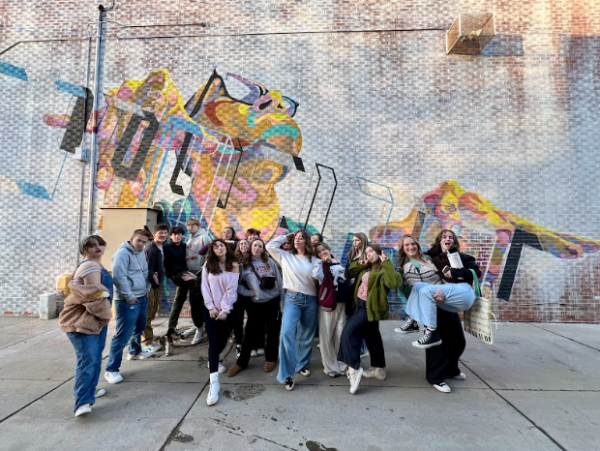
column 248, row 257
column 402, row 257
column 436, row 248
column 308, row 249
column 364, row 242
column 212, row 261
column 239, row 255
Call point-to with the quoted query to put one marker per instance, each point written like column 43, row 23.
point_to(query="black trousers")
column 218, row 332
column 442, row 361
column 359, row 328
column 261, row 316
column 196, row 306
column 239, row 310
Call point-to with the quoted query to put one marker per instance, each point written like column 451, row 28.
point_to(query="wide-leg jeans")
column 298, row 327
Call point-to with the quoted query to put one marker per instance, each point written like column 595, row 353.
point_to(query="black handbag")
column 265, row 283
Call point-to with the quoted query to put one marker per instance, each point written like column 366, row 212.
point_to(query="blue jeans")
column 422, row 307
column 298, row 327
column 88, row 350
column 131, row 322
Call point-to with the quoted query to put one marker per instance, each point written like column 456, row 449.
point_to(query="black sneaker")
column 430, row 339
column 305, row 371
column 409, row 327
column 289, row 383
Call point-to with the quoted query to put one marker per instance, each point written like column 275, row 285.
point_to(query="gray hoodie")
column 130, row 273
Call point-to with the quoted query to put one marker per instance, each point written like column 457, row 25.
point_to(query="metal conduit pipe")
column 99, row 66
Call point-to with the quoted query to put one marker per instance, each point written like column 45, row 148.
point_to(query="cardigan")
column 379, row 284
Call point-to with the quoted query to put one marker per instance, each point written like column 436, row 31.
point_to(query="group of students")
column 285, row 289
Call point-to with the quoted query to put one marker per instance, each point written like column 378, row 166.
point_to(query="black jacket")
column 155, row 265
column 175, row 261
column 458, row 274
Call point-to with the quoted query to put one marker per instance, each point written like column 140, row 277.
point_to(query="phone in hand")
column 446, row 268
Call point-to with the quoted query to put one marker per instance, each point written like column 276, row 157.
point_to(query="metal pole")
column 99, row 62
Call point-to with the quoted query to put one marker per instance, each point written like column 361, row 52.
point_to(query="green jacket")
column 379, row 285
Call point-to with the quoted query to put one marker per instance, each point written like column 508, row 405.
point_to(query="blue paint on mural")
column 13, row 71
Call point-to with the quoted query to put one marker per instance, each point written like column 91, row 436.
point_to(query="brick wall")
column 500, row 147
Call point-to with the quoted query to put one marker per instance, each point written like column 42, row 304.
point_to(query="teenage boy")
column 252, row 234
column 156, row 275
column 176, row 270
column 130, row 277
column 197, row 239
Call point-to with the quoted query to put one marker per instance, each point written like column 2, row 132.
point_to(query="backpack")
column 327, row 296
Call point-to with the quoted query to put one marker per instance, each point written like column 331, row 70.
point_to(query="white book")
column 454, row 259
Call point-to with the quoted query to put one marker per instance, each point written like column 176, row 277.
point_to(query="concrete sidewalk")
column 537, row 388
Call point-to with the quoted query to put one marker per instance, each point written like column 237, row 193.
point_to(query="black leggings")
column 218, row 332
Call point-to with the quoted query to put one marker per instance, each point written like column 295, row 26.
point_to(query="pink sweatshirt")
column 219, row 290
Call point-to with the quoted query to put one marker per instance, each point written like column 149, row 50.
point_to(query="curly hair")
column 436, row 248
column 402, row 257
column 212, row 261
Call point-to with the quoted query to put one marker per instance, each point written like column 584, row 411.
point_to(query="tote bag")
column 478, row 319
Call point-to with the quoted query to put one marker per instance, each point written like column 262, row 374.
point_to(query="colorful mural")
column 220, row 143
column 486, row 231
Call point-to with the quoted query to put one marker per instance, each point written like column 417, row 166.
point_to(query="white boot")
column 213, row 391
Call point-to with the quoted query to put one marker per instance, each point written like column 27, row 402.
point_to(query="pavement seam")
column 178, row 425
column 35, row 400
column 538, row 427
column 566, row 338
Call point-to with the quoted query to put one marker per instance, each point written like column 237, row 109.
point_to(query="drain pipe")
column 98, row 73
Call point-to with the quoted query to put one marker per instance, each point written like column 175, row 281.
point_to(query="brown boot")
column 234, row 369
column 269, row 366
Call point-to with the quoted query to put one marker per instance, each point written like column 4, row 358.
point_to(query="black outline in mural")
column 241, row 150
column 175, row 188
column 80, row 115
column 315, row 196
column 519, row 238
column 131, row 172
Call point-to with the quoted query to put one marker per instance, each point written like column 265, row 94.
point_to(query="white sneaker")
column 222, row 368
column 152, row 348
column 461, row 377
column 141, row 356
column 375, row 373
column 443, row 387
column 113, row 377
column 83, row 410
column 253, row 353
column 213, row 391
column 354, row 376
column 99, row 393
column 197, row 337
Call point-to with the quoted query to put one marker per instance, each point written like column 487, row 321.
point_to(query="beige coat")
column 86, row 310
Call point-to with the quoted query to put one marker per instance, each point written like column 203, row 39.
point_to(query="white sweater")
column 296, row 269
